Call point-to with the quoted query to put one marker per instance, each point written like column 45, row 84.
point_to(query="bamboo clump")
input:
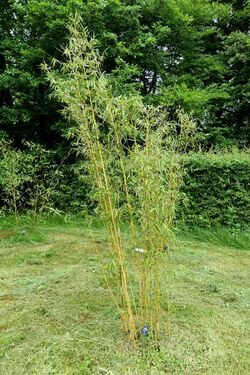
column 135, row 171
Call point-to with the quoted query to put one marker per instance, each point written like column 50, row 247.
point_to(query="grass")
column 234, row 238
column 57, row 317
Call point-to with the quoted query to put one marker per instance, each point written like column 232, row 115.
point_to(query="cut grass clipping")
column 134, row 165
column 57, row 317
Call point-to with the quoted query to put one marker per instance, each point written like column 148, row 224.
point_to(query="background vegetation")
column 176, row 53
column 215, row 191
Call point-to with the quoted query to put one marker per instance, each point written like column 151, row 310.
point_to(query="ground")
column 57, row 317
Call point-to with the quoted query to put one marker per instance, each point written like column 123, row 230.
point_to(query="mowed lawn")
column 57, row 317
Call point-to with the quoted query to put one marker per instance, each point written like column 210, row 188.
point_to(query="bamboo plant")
column 134, row 165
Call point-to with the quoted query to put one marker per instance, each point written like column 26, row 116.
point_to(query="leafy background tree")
column 177, row 53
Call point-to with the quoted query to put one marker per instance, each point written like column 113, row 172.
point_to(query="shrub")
column 28, row 180
column 215, row 190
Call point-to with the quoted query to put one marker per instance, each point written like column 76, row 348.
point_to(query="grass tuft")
column 237, row 239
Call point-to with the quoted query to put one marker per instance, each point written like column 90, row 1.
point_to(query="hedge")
column 215, row 190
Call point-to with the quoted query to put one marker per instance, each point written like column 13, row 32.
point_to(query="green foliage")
column 30, row 32
column 44, row 174
column 175, row 53
column 126, row 144
column 216, row 190
column 13, row 175
column 28, row 180
column 74, row 194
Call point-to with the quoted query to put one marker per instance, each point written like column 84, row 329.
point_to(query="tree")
column 31, row 32
column 176, row 54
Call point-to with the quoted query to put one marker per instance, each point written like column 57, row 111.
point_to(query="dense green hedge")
column 216, row 190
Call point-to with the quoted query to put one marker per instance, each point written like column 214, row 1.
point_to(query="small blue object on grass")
column 145, row 331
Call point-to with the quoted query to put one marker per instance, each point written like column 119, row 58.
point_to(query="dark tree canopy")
column 179, row 53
